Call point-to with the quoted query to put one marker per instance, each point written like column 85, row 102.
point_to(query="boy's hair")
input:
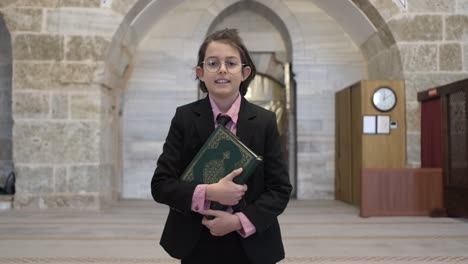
column 230, row 37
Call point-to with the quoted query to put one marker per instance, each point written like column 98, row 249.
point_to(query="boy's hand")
column 225, row 191
column 223, row 223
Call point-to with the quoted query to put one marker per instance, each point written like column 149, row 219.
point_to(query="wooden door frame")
column 444, row 92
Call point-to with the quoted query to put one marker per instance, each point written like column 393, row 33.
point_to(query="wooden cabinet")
column 370, row 163
column 356, row 150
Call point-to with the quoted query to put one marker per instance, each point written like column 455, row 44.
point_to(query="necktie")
column 223, row 119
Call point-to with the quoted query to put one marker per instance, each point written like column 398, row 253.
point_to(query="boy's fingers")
column 233, row 174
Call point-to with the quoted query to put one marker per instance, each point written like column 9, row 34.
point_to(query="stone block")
column 309, row 127
column 107, row 178
column 80, row 201
column 122, row 6
column 102, row 22
column 387, row 9
column 84, row 179
column 34, row 179
column 431, row 6
column 53, row 75
column 35, row 75
column 5, row 3
column 60, row 106
column 462, row 6
column 51, row 201
column 386, row 37
column 417, row 82
column 386, row 65
column 85, row 106
column 55, row 142
column 413, row 116
column 38, row 47
column 77, row 73
column 309, row 147
column 456, row 27
column 31, row 105
column 87, row 48
column 413, row 148
column 60, row 180
column 417, row 58
column 38, row 3
column 371, row 12
column 80, row 3
column 24, row 19
column 450, row 57
column 58, row 3
column 417, row 28
column 315, row 180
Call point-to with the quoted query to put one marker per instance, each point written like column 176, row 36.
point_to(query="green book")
column 222, row 153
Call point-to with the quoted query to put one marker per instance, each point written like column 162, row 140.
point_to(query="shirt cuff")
column 199, row 203
column 248, row 228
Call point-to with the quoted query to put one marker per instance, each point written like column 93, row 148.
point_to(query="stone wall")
column 72, row 60
column 61, row 111
column 425, row 44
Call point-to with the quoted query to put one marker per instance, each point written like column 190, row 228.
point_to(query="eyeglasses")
column 213, row 64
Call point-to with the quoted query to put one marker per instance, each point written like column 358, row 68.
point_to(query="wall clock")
column 384, row 99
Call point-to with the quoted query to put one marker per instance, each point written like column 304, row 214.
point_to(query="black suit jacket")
column 268, row 188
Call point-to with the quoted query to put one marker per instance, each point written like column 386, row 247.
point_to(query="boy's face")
column 224, row 82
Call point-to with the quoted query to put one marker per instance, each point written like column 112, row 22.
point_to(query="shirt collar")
column 233, row 111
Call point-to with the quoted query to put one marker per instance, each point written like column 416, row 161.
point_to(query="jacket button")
column 196, row 208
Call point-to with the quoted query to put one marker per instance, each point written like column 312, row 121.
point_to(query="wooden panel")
column 401, row 192
column 343, row 181
column 343, row 177
column 385, row 150
column 356, row 141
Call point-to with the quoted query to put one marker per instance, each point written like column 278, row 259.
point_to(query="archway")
column 273, row 86
column 143, row 14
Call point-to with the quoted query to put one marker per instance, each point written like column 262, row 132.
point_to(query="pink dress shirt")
column 199, row 203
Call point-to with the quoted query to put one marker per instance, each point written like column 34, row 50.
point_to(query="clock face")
column 384, row 99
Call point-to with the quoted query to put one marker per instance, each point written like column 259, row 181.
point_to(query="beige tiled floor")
column 313, row 231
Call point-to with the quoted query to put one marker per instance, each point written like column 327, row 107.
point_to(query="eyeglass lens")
column 213, row 64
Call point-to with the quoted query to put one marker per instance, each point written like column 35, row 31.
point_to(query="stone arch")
column 274, row 10
column 262, row 10
column 118, row 66
column 6, row 121
column 282, row 52
column 144, row 13
column 380, row 47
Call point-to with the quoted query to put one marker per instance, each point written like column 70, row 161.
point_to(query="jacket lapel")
column 203, row 119
column 245, row 122
column 204, row 122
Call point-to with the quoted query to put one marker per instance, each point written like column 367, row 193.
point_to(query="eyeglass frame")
column 220, row 63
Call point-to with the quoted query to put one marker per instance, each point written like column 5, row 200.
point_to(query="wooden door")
column 455, row 165
column 431, row 134
column 343, row 147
